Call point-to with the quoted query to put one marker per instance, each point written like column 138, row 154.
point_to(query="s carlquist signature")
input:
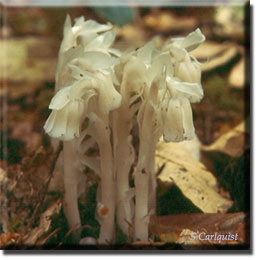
column 215, row 236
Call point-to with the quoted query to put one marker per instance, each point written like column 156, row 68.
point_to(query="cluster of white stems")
column 100, row 94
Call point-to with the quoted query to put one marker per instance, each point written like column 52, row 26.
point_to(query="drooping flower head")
column 83, row 73
column 183, row 88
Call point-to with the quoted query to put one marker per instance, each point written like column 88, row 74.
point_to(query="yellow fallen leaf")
column 236, row 77
column 167, row 21
column 233, row 143
column 213, row 54
column 192, row 178
column 27, row 62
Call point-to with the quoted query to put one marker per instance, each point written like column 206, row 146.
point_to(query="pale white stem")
column 99, row 130
column 145, row 187
column 143, row 176
column 145, row 180
column 141, row 203
column 107, row 222
column 71, row 187
column 124, row 157
column 92, row 163
column 152, row 180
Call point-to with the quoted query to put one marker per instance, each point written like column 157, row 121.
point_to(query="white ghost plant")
column 112, row 92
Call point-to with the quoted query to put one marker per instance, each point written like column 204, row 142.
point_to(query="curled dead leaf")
column 213, row 54
column 237, row 76
column 44, row 226
column 233, row 143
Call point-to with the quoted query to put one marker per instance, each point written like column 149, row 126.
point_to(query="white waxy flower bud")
column 188, row 71
column 177, row 120
column 68, row 108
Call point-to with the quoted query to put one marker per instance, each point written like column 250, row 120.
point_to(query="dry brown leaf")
column 167, row 21
column 44, row 226
column 237, row 75
column 233, row 143
column 131, row 35
column 9, row 238
column 191, row 177
column 201, row 228
column 26, row 62
column 230, row 21
column 213, row 54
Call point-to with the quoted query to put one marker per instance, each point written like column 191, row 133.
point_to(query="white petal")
column 145, row 53
column 115, row 52
column 61, row 99
column 75, row 113
column 108, row 38
column 103, row 41
column 109, row 99
column 92, row 25
column 63, row 76
column 85, row 37
column 93, row 61
column 159, row 62
column 79, row 21
column 178, row 53
column 192, row 91
column 189, row 131
column 68, row 37
column 172, row 121
column 49, row 124
column 193, row 40
column 60, row 124
column 188, row 71
column 78, row 73
column 134, row 78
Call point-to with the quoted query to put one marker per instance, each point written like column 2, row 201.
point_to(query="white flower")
column 188, row 71
column 82, row 32
column 190, row 42
column 177, row 120
column 186, row 67
column 176, row 110
column 69, row 105
column 80, row 40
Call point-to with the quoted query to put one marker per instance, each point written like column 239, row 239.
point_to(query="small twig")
column 46, row 186
column 66, row 235
column 160, row 169
column 44, row 240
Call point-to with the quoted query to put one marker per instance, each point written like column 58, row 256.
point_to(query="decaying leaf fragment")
column 167, row 21
column 191, row 176
column 214, row 55
column 233, row 143
column 45, row 223
column 237, row 76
